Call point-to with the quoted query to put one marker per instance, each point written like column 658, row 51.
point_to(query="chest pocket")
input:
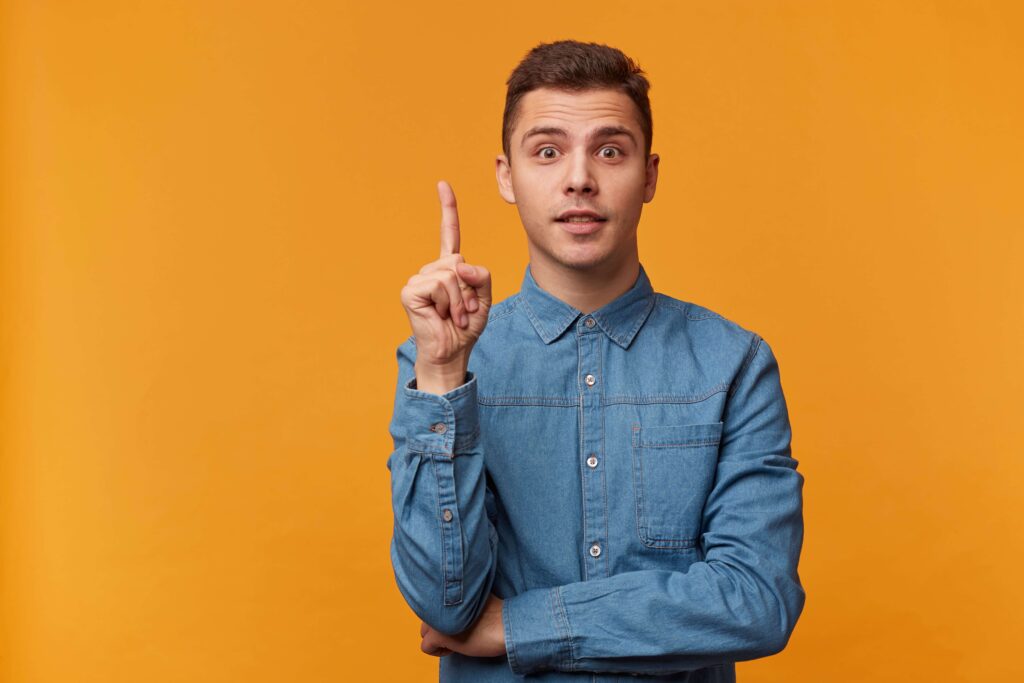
column 673, row 472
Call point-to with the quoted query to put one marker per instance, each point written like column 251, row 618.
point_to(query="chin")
column 585, row 261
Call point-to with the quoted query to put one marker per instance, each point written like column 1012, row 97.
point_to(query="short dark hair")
column 575, row 66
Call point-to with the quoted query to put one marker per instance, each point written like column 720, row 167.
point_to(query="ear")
column 503, row 172
column 652, row 177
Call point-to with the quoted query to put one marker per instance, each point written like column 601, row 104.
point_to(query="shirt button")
column 439, row 427
column 589, row 322
column 589, row 379
column 592, row 462
column 447, row 514
column 595, row 550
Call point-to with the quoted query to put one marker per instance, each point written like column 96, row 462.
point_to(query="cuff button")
column 439, row 427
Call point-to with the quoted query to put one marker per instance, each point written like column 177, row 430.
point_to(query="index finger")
column 449, row 219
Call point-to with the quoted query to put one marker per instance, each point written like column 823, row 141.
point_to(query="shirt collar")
column 620, row 318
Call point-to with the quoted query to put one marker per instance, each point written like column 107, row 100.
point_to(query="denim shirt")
column 621, row 479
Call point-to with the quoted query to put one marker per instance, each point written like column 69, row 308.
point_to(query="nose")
column 580, row 178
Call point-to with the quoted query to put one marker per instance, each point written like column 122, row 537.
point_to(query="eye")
column 616, row 154
column 546, row 149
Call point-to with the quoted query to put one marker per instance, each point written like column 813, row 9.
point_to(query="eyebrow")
column 602, row 132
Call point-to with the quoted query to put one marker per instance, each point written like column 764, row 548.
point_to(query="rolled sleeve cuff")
column 537, row 635
column 441, row 423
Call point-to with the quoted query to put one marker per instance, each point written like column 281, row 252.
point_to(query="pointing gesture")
column 449, row 220
column 447, row 303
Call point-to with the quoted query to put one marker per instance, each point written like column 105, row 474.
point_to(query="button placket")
column 591, row 344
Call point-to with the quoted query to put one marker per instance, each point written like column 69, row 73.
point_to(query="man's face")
column 578, row 151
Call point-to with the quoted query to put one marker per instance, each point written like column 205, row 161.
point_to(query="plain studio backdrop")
column 209, row 209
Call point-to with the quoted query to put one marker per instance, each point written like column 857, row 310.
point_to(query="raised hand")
column 447, row 303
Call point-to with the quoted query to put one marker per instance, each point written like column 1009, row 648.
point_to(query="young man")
column 589, row 476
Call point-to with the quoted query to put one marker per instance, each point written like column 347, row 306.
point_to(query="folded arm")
column 740, row 602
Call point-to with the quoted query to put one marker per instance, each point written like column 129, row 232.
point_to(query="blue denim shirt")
column 622, row 479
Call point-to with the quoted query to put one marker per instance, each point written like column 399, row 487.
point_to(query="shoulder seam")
column 755, row 345
column 687, row 307
column 663, row 300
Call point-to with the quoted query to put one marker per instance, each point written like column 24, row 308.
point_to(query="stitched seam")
column 686, row 307
column 624, row 340
column 414, row 445
column 666, row 302
column 645, row 399
column 581, row 451
column 572, row 645
column 666, row 398
column 446, row 398
column 444, row 549
column 604, row 470
column 512, row 642
column 466, row 441
column 528, row 401
column 560, row 632
column 661, row 543
column 755, row 344
column 458, row 533
column 513, row 303
column 449, row 416
column 641, row 319
column 528, row 310
column 638, row 487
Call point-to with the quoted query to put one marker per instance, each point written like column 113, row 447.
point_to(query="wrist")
column 440, row 378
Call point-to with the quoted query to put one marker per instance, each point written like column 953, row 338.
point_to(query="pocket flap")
column 677, row 435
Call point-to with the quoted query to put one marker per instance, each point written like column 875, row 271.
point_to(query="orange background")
column 209, row 209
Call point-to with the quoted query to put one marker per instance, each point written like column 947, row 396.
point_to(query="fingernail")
column 472, row 305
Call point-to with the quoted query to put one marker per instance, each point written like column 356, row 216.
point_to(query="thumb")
column 478, row 277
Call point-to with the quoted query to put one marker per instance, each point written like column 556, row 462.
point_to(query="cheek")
column 527, row 185
column 629, row 194
column 530, row 200
column 530, row 213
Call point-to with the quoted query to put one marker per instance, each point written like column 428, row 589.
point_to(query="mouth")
column 580, row 222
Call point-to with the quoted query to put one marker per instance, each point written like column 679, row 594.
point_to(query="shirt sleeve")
column 443, row 544
column 740, row 602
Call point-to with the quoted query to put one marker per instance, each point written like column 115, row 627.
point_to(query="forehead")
column 577, row 111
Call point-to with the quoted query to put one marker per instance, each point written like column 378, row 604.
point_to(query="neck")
column 589, row 289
